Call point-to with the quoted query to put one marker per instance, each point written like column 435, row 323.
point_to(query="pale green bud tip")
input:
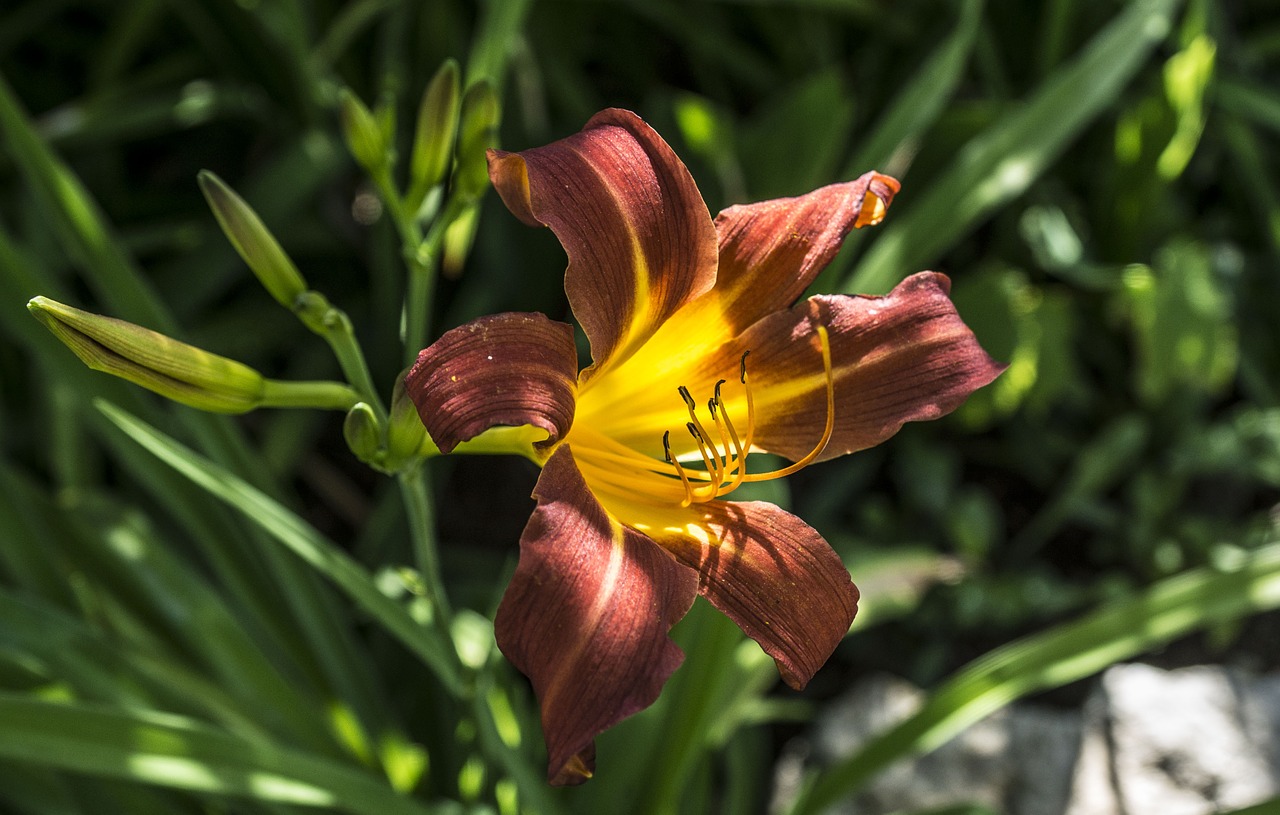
column 161, row 364
column 385, row 117
column 253, row 241
column 364, row 137
column 405, row 430
column 437, row 129
column 361, row 431
column 478, row 132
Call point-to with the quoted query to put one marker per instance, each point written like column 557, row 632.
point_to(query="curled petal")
column 586, row 617
column 505, row 369
column 900, row 358
column 767, row 570
column 771, row 251
column 639, row 238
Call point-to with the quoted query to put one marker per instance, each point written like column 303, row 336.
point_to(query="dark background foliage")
column 1112, row 228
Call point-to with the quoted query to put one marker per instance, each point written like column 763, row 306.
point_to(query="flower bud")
column 405, row 431
column 253, row 241
column 458, row 239
column 362, row 133
column 478, row 128
column 162, row 364
column 361, row 431
column 384, row 114
column 437, row 128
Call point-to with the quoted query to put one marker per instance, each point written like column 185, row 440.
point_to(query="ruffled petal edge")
column 504, row 369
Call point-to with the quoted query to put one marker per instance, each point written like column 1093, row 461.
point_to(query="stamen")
column 726, row 468
column 684, row 479
column 751, row 408
column 739, row 457
column 831, row 416
column 708, row 456
column 715, row 465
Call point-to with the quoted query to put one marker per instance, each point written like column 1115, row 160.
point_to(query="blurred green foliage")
column 1099, row 178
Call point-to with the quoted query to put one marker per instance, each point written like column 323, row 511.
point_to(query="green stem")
column 418, row 256
column 340, row 335
column 325, row 395
column 421, row 516
column 422, row 255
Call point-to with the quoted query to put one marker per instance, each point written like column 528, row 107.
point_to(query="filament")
column 726, row 466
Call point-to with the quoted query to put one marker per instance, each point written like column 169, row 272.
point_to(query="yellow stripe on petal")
column 639, row 238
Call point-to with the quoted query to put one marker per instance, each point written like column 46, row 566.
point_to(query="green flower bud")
column 361, row 131
column 437, row 128
column 253, row 241
column 385, row 116
column 405, row 430
column 458, row 239
column 362, row 433
column 478, row 131
column 162, row 364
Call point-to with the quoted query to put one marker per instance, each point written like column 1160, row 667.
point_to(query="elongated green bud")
column 405, row 430
column 362, row 433
column 253, row 241
column 478, row 131
column 437, row 128
column 362, row 133
column 162, row 364
column 458, row 239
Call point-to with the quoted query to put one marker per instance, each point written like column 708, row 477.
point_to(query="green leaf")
column 795, row 144
column 501, row 24
column 1009, row 156
column 79, row 222
column 172, row 751
column 1121, row 630
column 1250, row 101
column 302, row 539
column 1185, row 332
column 917, row 105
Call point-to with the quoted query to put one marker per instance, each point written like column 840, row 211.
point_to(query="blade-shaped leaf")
column 302, row 539
column 1004, row 161
column 173, row 751
column 1120, row 630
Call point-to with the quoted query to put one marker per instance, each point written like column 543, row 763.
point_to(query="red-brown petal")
column 586, row 617
column 505, row 369
column 903, row 357
column 639, row 238
column 769, row 572
column 771, row 251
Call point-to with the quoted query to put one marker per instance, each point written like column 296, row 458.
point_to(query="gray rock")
column 1187, row 742
column 1016, row 760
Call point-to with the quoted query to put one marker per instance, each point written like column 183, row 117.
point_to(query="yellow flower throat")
column 722, row 448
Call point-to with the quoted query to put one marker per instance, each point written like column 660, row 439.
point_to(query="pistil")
column 723, row 451
column 726, row 467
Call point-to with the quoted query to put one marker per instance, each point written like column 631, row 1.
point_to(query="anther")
column 742, row 368
column 688, row 400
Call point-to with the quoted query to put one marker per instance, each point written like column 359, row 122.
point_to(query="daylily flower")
column 698, row 360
